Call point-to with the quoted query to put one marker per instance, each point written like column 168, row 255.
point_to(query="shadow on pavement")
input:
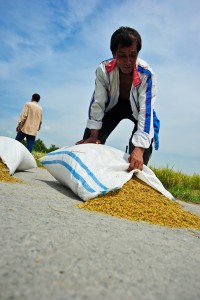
column 62, row 189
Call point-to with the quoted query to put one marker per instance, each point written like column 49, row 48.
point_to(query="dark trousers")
column 29, row 138
column 122, row 110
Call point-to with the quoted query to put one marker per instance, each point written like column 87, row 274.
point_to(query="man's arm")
column 145, row 132
column 97, row 108
column 40, row 126
column 22, row 118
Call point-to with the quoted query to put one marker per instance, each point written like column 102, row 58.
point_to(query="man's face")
column 126, row 58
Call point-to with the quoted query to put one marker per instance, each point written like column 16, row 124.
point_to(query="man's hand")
column 18, row 128
column 92, row 139
column 136, row 159
column 89, row 140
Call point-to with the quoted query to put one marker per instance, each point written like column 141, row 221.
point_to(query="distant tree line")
column 39, row 146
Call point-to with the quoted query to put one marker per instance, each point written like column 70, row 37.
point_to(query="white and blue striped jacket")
column 142, row 98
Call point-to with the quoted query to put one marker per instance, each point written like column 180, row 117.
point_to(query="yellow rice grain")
column 136, row 201
column 5, row 176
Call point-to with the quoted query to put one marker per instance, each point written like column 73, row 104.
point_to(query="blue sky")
column 53, row 47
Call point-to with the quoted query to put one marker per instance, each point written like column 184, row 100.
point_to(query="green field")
column 181, row 186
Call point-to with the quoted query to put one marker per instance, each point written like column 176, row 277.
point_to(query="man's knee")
column 86, row 134
column 147, row 155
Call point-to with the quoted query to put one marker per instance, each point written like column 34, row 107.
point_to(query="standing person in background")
column 125, row 88
column 30, row 122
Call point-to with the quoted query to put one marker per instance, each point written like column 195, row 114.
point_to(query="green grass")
column 37, row 156
column 181, row 186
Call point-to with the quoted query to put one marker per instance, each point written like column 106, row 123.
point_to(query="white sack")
column 93, row 169
column 15, row 155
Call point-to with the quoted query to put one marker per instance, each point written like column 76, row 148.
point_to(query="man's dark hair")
column 36, row 97
column 125, row 37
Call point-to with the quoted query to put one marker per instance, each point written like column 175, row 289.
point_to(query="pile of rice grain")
column 136, row 201
column 5, row 176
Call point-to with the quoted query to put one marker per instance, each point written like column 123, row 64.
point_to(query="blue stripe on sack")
column 79, row 161
column 148, row 99
column 72, row 171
